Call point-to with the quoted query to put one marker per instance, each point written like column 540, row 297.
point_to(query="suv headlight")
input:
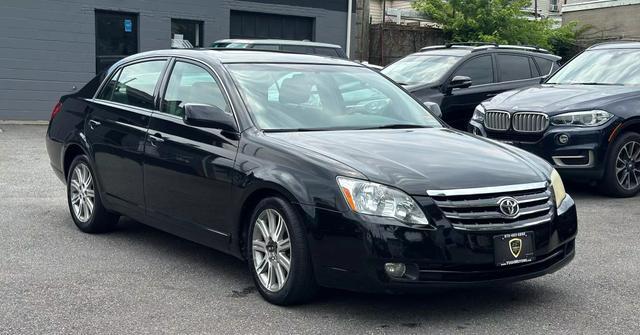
column 558, row 187
column 478, row 114
column 582, row 119
column 369, row 198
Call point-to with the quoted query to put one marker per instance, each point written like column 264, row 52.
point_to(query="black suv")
column 457, row 77
column 585, row 119
column 315, row 170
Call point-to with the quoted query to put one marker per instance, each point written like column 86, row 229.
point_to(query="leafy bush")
column 499, row 21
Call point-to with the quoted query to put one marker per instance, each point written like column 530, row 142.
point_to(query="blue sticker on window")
column 128, row 25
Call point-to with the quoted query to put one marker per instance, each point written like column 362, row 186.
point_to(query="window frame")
column 162, row 90
column 118, row 70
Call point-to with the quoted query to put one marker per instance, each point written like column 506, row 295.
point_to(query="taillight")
column 56, row 109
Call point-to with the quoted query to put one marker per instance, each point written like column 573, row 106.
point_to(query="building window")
column 186, row 30
column 263, row 25
column 116, row 37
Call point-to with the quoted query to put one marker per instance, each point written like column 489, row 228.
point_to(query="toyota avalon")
column 316, row 171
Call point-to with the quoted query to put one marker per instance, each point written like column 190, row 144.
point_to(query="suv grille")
column 497, row 120
column 530, row 122
column 527, row 122
column 478, row 209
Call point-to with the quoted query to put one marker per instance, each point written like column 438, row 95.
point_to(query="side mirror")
column 208, row 116
column 460, row 82
column 434, row 108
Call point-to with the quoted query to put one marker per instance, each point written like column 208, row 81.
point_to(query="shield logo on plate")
column 515, row 246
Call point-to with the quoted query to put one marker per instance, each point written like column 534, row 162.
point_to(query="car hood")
column 555, row 99
column 416, row 160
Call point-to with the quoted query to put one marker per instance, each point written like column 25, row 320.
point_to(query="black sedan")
column 585, row 119
column 316, row 171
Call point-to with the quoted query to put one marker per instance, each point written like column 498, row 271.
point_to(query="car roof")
column 229, row 56
column 616, row 45
column 280, row 42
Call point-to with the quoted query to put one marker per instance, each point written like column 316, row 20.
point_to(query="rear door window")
column 513, row 67
column 326, row 52
column 544, row 65
column 479, row 69
column 134, row 84
column 297, row 49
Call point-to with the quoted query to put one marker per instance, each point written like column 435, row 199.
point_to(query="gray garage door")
column 261, row 25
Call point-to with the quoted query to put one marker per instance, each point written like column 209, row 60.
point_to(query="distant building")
column 611, row 19
column 551, row 9
column 50, row 48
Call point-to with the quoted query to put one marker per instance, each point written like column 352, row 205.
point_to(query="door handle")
column 155, row 139
column 491, row 95
column 93, row 124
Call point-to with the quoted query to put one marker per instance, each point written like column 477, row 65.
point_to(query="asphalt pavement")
column 138, row 280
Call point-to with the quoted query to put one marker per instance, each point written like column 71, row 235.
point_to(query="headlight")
column 582, row 119
column 558, row 187
column 369, row 198
column 478, row 114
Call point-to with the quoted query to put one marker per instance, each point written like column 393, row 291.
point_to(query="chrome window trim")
column 487, row 190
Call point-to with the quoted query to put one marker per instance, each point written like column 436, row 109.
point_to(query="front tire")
column 622, row 176
column 84, row 201
column 278, row 253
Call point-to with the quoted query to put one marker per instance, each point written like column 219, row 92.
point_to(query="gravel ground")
column 56, row 280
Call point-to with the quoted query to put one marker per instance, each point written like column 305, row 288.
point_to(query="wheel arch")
column 252, row 197
column 71, row 151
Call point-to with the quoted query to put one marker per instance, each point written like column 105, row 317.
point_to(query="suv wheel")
column 622, row 176
column 84, row 200
column 278, row 254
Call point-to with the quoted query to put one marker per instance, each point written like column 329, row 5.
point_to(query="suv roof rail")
column 480, row 46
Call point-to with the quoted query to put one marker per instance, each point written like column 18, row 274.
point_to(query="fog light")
column 395, row 270
column 563, row 138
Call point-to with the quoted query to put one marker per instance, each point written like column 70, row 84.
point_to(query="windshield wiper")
column 595, row 83
column 398, row 126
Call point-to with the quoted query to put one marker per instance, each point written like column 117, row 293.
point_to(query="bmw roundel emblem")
column 509, row 206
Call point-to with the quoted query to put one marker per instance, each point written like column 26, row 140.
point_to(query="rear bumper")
column 352, row 256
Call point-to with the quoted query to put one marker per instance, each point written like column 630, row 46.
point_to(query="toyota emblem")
column 509, row 206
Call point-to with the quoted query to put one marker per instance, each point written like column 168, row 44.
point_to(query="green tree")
column 498, row 21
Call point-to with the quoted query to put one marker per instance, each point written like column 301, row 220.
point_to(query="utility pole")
column 384, row 9
column 535, row 9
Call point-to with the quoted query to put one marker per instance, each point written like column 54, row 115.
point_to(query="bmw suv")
column 457, row 77
column 585, row 119
column 316, row 171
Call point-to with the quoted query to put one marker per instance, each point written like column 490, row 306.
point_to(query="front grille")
column 479, row 210
column 529, row 122
column 497, row 120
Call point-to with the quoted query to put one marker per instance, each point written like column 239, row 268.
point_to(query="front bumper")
column 581, row 158
column 349, row 252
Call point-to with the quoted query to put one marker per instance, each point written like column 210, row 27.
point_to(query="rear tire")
column 622, row 174
column 278, row 253
column 84, row 201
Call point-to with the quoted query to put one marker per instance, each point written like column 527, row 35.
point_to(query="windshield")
column 420, row 69
column 290, row 97
column 601, row 67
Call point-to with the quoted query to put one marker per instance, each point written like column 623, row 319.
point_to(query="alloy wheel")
column 271, row 249
column 628, row 166
column 82, row 193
